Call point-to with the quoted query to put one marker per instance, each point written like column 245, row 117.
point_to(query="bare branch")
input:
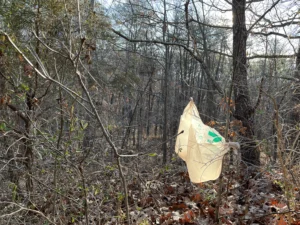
column 21, row 208
column 45, row 74
column 7, row 163
column 284, row 24
column 255, row 33
column 271, row 56
column 108, row 139
column 249, row 2
column 275, row 33
column 217, row 52
column 46, row 46
column 210, row 25
column 22, row 54
column 263, row 15
column 197, row 57
column 20, row 114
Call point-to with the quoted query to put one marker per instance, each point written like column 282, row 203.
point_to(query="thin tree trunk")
column 165, row 89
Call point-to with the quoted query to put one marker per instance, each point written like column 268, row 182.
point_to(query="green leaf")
column 2, row 126
column 152, row 154
column 24, row 87
column 83, row 124
column 2, row 38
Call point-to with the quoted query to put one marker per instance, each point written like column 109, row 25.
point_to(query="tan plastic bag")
column 200, row 146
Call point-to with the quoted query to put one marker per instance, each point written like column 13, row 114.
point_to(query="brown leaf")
column 243, row 130
column 20, row 57
column 232, row 134
column 188, row 217
column 273, row 201
column 296, row 222
column 211, row 123
column 185, row 176
column 201, row 185
column 28, row 70
column 163, row 217
column 211, row 212
column 147, row 201
column 196, row 198
column 225, row 221
column 281, row 221
column 169, row 190
column 2, row 100
column 178, row 206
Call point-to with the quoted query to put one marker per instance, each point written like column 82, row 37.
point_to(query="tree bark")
column 243, row 110
column 295, row 114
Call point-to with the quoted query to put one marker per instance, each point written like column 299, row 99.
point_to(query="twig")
column 16, row 158
column 45, row 76
column 26, row 209
column 276, row 213
column 108, row 139
column 190, row 51
column 156, row 147
column 280, row 149
column 86, row 209
column 263, row 15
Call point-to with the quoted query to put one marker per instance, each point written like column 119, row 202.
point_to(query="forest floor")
column 157, row 195
column 262, row 199
column 164, row 195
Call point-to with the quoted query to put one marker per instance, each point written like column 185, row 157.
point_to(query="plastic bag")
column 200, row 146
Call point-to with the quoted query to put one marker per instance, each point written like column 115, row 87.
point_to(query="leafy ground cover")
column 157, row 195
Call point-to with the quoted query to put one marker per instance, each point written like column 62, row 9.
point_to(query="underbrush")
column 158, row 194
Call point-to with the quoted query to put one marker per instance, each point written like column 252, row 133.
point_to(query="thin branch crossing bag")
column 200, row 146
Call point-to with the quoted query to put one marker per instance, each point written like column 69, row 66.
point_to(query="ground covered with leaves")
column 157, row 195
column 172, row 199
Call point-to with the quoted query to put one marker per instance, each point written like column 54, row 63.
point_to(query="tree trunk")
column 296, row 96
column 295, row 114
column 165, row 112
column 165, row 89
column 243, row 110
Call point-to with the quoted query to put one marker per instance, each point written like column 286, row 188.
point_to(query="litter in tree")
column 200, row 146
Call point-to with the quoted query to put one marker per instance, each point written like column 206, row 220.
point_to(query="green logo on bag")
column 216, row 138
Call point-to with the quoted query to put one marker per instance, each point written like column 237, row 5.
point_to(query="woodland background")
column 91, row 95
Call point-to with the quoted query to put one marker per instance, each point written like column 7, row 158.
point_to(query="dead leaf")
column 243, row 130
column 281, row 221
column 273, row 201
column 196, row 198
column 211, row 123
column 211, row 212
column 178, row 206
column 188, row 217
column 169, row 190
column 28, row 70
column 20, row 57
column 164, row 217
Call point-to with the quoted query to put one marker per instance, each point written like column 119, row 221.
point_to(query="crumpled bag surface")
column 200, row 146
